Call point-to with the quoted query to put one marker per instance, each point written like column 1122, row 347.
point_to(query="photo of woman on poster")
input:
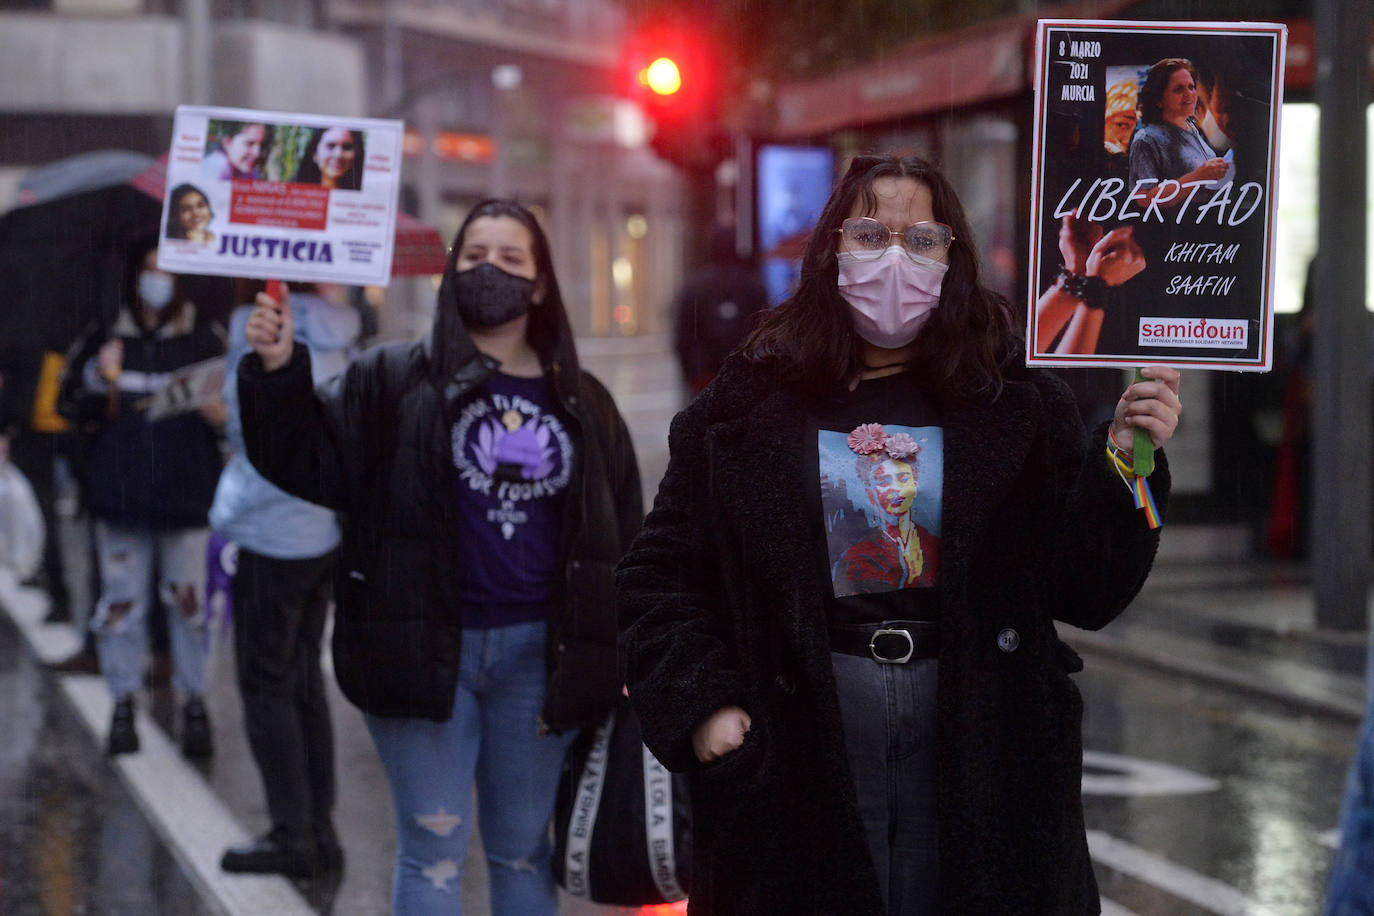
column 333, row 159
column 189, row 214
column 240, row 148
column 1169, row 144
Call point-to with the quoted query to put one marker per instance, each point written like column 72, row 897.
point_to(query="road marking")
column 1182, row 882
column 1132, row 776
column 1115, row 909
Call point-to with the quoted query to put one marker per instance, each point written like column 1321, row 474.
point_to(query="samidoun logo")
column 1217, row 333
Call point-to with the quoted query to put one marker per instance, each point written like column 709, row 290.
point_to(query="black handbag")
column 622, row 824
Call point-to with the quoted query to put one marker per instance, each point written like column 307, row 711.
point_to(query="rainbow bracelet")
column 1139, row 486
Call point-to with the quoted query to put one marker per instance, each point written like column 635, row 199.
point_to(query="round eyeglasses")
column 866, row 238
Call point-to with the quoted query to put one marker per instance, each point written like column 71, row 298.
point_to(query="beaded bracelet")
column 1087, row 289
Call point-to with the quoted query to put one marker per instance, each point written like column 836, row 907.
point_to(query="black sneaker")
column 123, row 737
column 330, row 850
column 196, row 740
column 278, row 852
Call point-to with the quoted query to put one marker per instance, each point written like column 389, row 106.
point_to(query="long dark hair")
column 309, row 170
column 175, row 228
column 810, row 337
column 543, row 330
column 1156, row 81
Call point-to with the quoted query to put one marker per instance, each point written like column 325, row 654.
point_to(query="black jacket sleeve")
column 298, row 437
column 674, row 636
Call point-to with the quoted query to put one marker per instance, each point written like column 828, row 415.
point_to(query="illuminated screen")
column 793, row 184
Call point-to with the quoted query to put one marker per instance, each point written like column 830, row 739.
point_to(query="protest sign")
column 1154, row 193
column 283, row 196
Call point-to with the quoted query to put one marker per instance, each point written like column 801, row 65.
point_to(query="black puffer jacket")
column 721, row 605
column 373, row 443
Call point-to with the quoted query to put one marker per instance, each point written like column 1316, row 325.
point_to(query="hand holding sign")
column 1150, row 406
column 271, row 330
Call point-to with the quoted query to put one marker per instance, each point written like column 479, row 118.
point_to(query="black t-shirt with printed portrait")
column 875, row 486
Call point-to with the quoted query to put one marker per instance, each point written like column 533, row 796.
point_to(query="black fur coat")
column 721, row 604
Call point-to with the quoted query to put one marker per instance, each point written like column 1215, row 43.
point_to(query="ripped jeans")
column 489, row 742
column 128, row 557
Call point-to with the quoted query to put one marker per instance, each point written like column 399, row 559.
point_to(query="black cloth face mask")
column 487, row 296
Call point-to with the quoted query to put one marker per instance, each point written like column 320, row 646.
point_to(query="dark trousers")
column 889, row 733
column 280, row 608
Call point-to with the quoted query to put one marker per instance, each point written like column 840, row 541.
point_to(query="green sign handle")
column 1143, row 455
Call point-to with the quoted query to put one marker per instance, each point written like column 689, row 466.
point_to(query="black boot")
column 123, row 737
column 196, row 740
column 281, row 851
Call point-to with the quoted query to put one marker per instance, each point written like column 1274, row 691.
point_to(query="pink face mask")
column 891, row 296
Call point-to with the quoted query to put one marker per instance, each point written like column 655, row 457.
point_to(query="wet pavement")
column 1219, row 722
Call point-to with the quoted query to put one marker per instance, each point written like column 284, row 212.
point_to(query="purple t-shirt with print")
column 513, row 456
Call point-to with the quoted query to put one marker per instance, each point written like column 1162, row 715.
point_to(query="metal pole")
column 393, row 76
column 1341, row 379
column 199, row 51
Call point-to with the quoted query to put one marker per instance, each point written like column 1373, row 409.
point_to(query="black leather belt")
column 892, row 642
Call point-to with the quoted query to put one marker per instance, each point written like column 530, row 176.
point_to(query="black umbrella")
column 62, row 254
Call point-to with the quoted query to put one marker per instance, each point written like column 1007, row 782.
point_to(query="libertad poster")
column 1154, row 193
column 281, row 196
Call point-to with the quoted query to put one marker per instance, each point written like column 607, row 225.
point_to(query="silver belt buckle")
column 873, row 649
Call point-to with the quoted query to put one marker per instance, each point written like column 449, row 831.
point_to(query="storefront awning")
column 978, row 64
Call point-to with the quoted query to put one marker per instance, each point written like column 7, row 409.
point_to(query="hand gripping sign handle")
column 275, row 289
column 1143, row 453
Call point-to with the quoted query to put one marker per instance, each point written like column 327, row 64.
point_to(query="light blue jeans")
column 490, row 742
column 128, row 557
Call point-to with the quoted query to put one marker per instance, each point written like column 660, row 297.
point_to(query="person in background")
column 487, row 487
column 715, row 309
column 333, row 159
column 281, row 596
column 866, row 745
column 32, row 436
column 189, row 215
column 242, row 148
column 148, row 486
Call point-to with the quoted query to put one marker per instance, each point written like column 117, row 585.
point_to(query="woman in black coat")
column 486, row 488
column 838, row 618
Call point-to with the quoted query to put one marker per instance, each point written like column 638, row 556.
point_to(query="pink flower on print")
column 868, row 438
column 902, row 447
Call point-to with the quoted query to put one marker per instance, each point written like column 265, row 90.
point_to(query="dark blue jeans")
column 889, row 731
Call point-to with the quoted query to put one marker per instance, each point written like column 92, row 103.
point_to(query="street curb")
column 184, row 811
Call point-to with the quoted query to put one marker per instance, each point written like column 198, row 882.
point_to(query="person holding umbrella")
column 148, row 485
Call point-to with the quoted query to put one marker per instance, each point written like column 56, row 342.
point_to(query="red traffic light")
column 670, row 71
column 662, row 76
